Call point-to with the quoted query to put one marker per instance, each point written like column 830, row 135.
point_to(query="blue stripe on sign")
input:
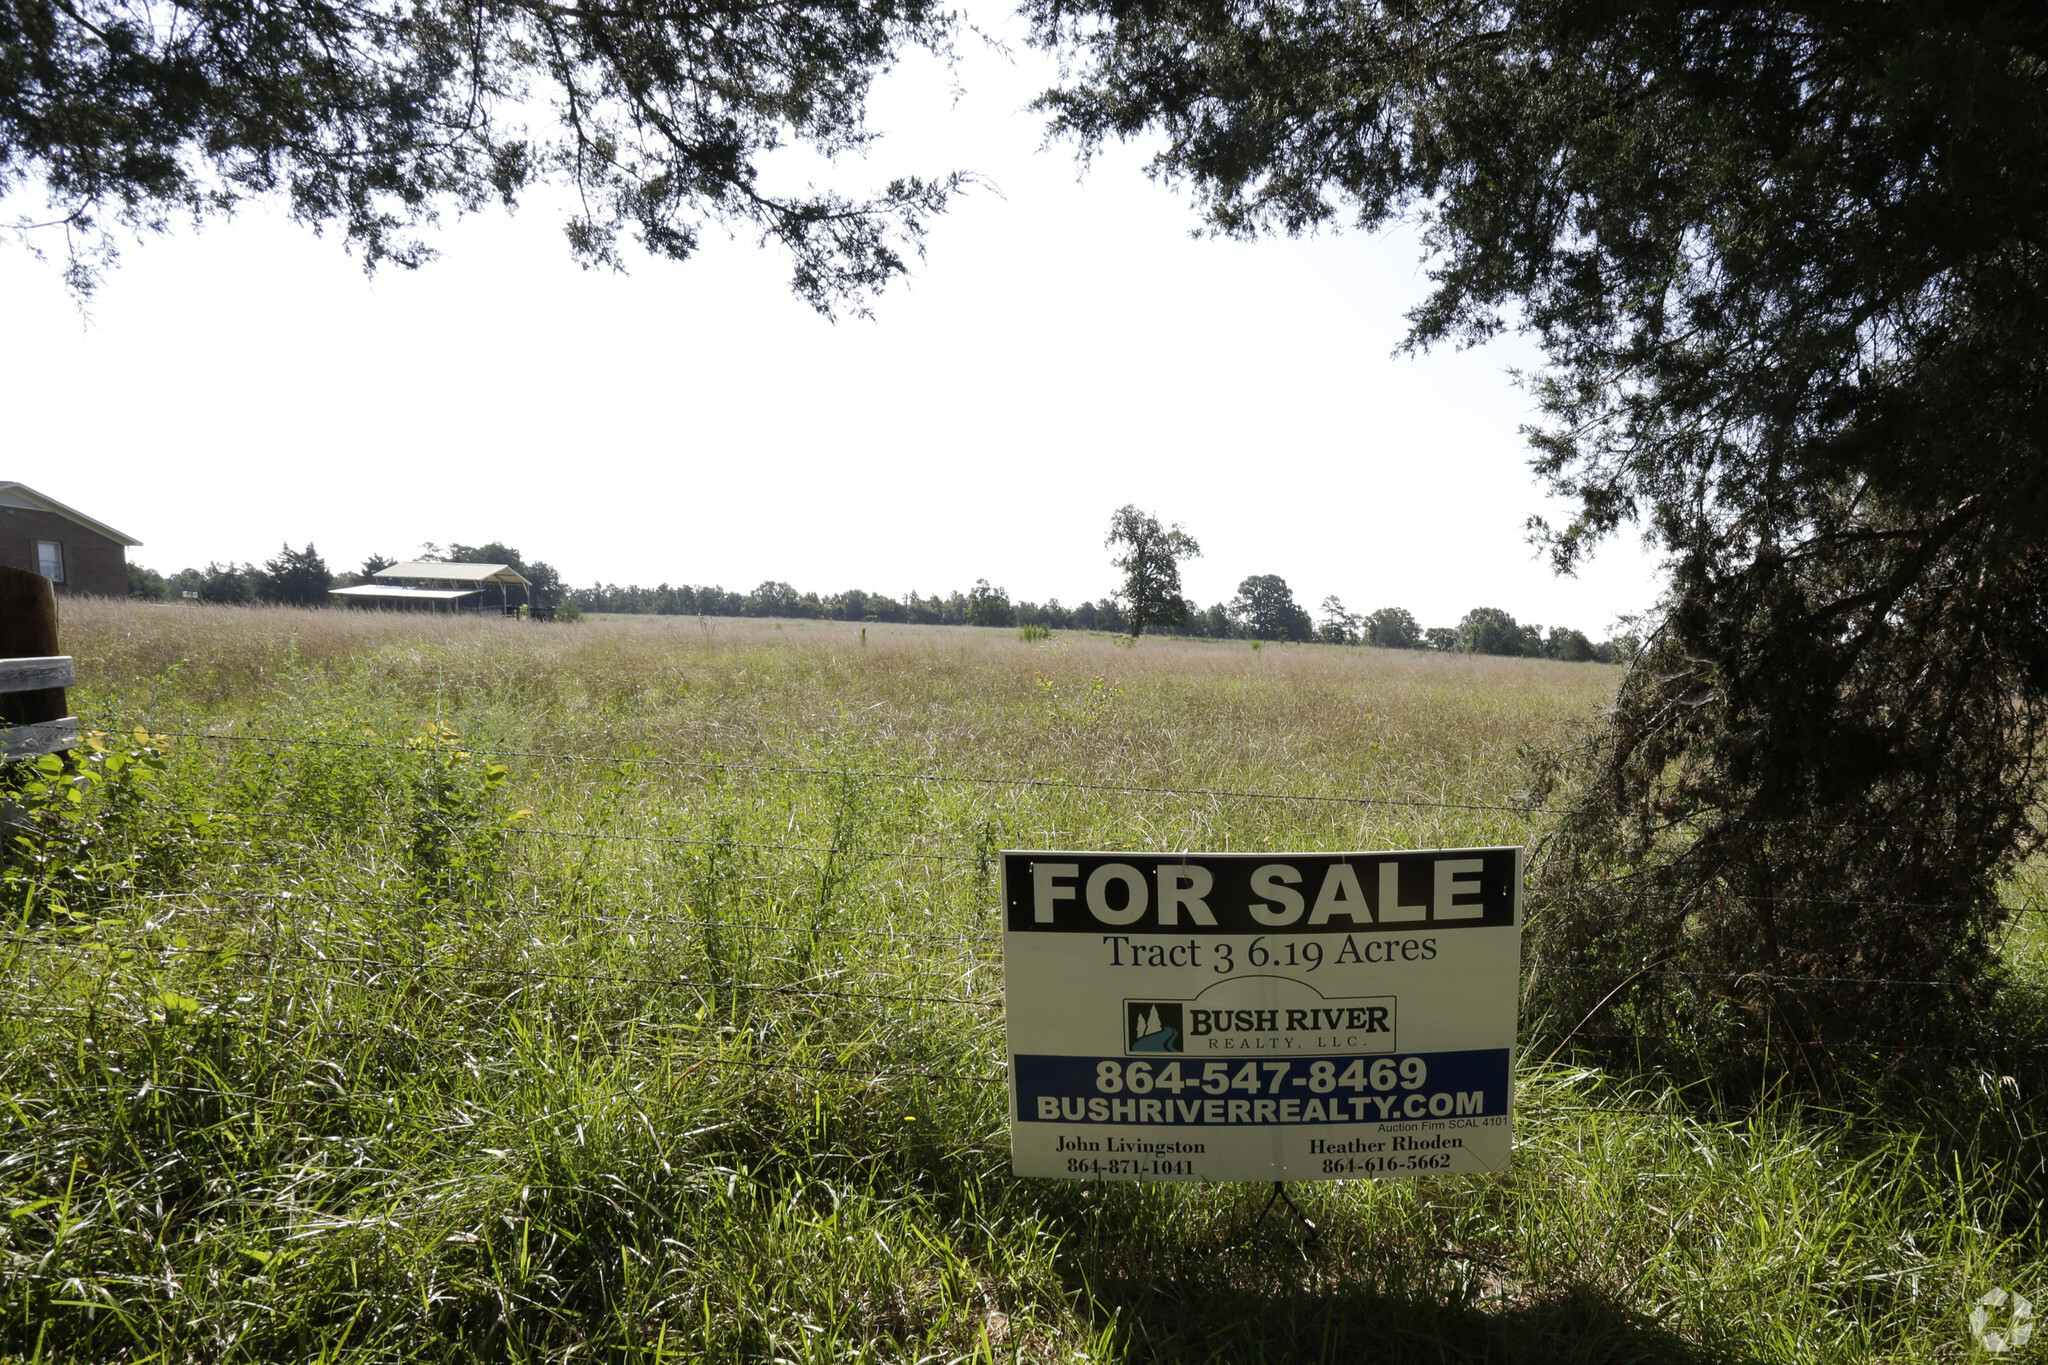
column 1256, row 1093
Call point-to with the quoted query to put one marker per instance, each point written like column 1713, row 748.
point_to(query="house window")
column 50, row 559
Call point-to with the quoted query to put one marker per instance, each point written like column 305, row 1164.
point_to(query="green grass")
column 323, row 1050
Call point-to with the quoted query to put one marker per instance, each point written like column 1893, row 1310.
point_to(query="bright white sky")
column 1066, row 347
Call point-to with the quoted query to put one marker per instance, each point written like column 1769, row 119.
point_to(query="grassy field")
column 470, row 989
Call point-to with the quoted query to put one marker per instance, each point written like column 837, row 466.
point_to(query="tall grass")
column 335, row 1041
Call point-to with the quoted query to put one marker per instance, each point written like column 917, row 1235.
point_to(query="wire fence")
column 586, row 917
column 296, row 961
column 1620, row 888
column 1513, row 807
column 613, row 921
column 812, row 990
column 1670, row 1105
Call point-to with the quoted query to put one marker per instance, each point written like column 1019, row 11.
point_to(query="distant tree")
column 1569, row 645
column 226, row 583
column 1622, row 649
column 1441, row 638
column 923, row 611
column 1393, row 628
column 1265, row 609
column 299, row 578
column 1216, row 622
column 1336, row 626
column 1051, row 615
column 1489, row 630
column 772, row 598
column 372, row 566
column 146, row 584
column 988, row 606
column 1150, row 564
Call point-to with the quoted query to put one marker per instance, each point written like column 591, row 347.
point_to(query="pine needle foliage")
column 373, row 118
column 1786, row 265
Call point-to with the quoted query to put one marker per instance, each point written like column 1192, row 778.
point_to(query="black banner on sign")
column 1261, row 893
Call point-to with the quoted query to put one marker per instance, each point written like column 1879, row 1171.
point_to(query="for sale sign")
column 1261, row 1016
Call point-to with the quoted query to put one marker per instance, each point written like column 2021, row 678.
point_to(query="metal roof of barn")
column 438, row 572
column 390, row 591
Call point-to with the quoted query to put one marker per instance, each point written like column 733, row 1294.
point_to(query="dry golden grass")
column 1397, row 726
column 1165, row 710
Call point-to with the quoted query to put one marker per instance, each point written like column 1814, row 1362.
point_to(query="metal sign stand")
column 1280, row 1196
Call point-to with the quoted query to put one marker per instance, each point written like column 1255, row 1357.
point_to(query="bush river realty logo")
column 1259, row 1014
column 1153, row 1026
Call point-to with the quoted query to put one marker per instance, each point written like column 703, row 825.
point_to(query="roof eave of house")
column 50, row 504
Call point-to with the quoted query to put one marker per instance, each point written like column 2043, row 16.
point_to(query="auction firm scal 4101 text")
column 1262, row 1016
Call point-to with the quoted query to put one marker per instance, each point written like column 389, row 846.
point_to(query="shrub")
column 456, row 824
column 72, row 844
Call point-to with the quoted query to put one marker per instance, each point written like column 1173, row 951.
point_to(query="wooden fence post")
column 33, row 675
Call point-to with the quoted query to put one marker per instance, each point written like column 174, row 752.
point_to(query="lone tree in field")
column 1150, row 564
column 1392, row 628
column 987, row 606
column 372, row 119
column 1489, row 630
column 1265, row 609
column 1789, row 267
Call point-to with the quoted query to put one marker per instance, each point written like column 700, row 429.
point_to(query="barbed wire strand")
column 796, row 770
column 2002, row 1046
column 987, row 856
column 536, row 973
column 584, row 919
column 1214, row 793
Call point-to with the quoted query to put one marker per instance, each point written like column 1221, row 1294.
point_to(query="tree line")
column 1264, row 608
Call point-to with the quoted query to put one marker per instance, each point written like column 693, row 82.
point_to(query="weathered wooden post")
column 33, row 675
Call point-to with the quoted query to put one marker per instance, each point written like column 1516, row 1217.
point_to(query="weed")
column 455, row 824
column 66, row 816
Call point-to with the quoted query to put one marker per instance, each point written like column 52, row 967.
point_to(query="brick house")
column 64, row 545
